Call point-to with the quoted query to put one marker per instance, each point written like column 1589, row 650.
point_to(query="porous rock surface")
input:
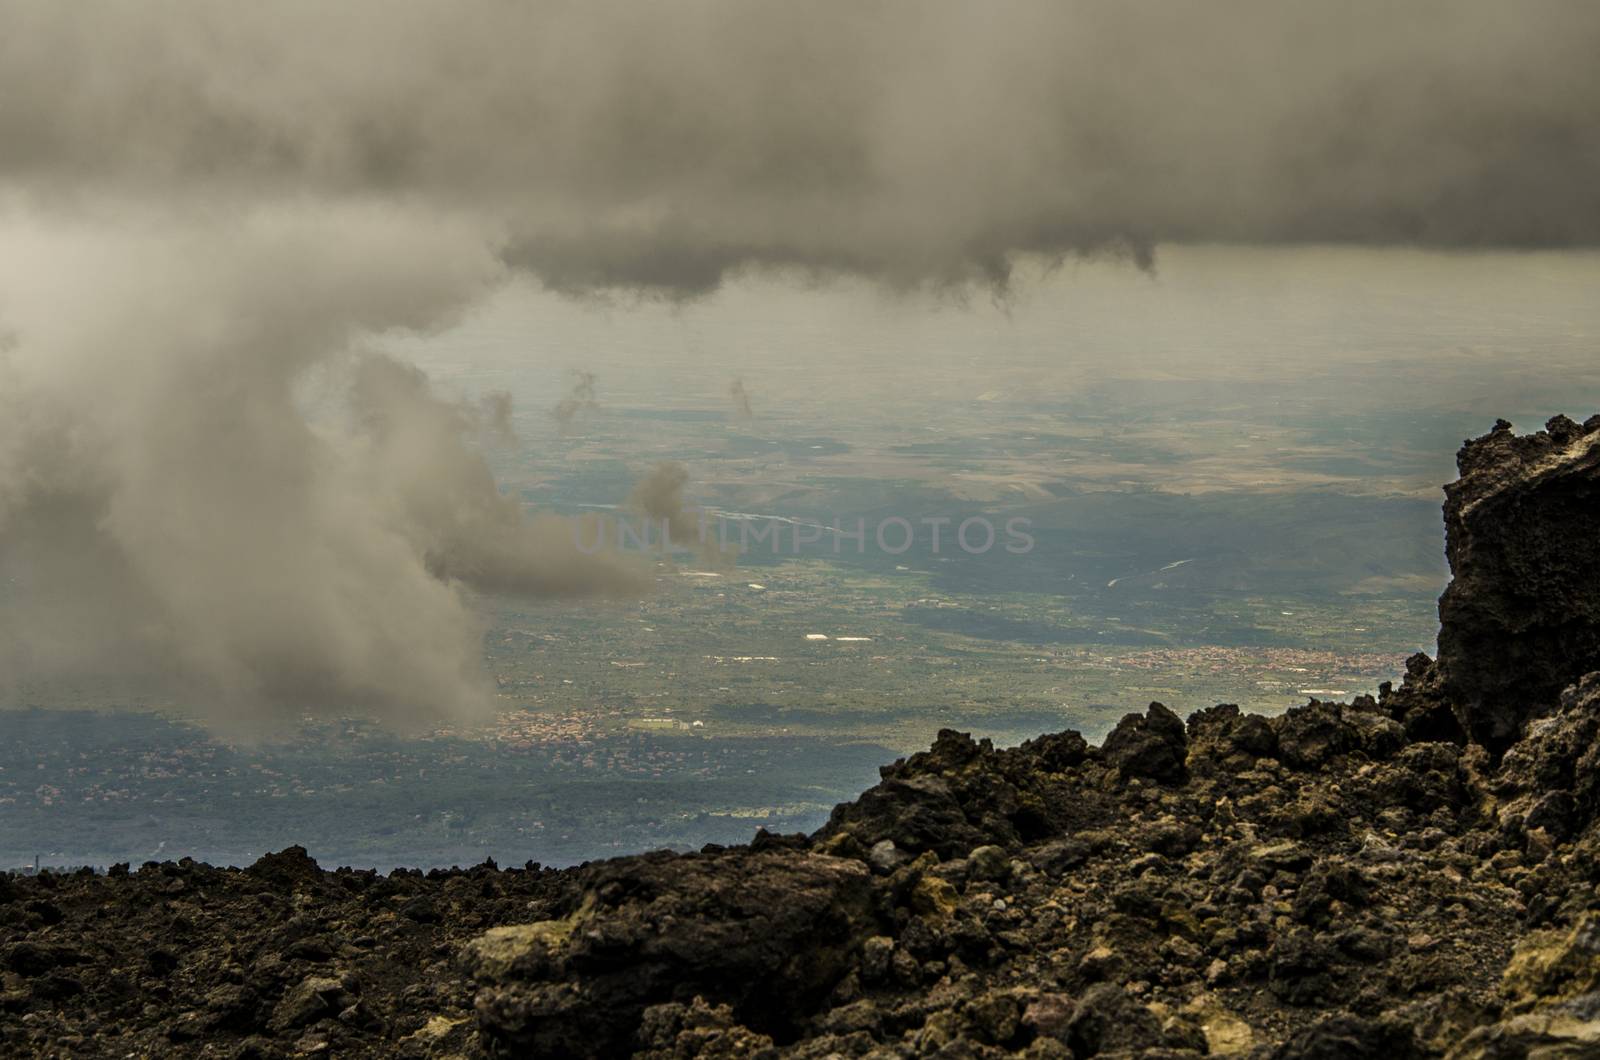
column 1521, row 618
column 1408, row 875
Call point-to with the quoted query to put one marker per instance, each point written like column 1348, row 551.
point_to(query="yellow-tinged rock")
column 1100, row 963
column 497, row 953
column 1553, row 965
column 1226, row 1034
column 434, row 1029
column 934, row 897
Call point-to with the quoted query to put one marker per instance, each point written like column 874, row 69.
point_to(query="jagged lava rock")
column 1520, row 619
column 1153, row 745
column 961, row 794
column 767, row 933
column 1412, row 875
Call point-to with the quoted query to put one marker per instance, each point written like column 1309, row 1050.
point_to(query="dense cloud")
column 663, row 145
column 207, row 212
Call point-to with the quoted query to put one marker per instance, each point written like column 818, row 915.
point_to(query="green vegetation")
column 1194, row 544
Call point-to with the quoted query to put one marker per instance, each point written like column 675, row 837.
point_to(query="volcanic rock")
column 1153, row 745
column 768, row 934
column 1520, row 619
column 1411, row 875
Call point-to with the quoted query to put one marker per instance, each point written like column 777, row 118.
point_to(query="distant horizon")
column 1137, row 344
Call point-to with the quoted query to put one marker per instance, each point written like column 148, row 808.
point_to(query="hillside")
column 1413, row 874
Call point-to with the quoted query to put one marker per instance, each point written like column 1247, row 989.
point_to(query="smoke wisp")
column 659, row 497
column 741, row 400
column 580, row 399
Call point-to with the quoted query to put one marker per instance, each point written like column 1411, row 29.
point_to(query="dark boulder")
column 767, row 934
column 963, row 793
column 1551, row 779
column 1106, row 1019
column 1301, row 971
column 1350, row 1037
column 286, row 868
column 1310, row 735
column 1520, row 619
column 1152, row 745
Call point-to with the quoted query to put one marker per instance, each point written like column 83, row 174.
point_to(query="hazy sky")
column 1207, row 311
column 208, row 211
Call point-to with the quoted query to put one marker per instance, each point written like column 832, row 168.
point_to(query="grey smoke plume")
column 663, row 146
column 465, row 529
column 494, row 410
column 207, row 211
column 741, row 399
column 207, row 496
column 580, row 399
column 659, row 497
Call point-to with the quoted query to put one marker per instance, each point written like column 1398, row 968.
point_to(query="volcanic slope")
column 1413, row 874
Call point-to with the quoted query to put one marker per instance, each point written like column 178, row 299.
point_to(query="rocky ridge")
column 1413, row 874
